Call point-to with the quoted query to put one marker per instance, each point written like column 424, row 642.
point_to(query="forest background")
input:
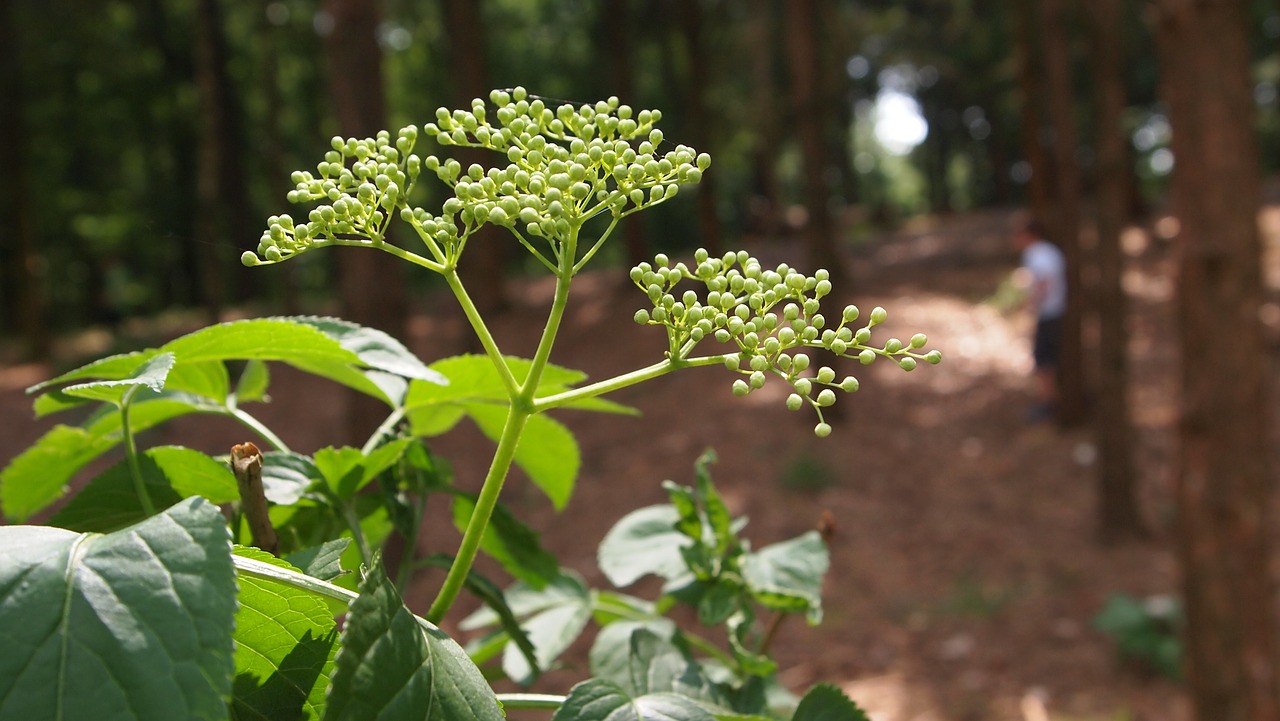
column 149, row 138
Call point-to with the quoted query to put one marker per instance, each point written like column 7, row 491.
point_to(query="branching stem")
column 131, row 452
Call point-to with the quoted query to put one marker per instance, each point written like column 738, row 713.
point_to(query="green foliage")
column 1146, row 631
column 161, row 590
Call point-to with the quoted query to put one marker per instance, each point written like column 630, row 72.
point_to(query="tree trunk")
column 370, row 282
column 25, row 262
column 808, row 112
column 1065, row 220
column 762, row 38
column 696, row 84
column 1030, row 82
column 1224, row 474
column 1118, row 513
column 616, row 33
column 483, row 266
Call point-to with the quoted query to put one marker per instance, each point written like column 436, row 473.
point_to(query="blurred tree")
column 1224, row 471
column 810, row 110
column 761, row 42
column 224, row 216
column 615, row 38
column 20, row 247
column 1031, row 101
column 1118, row 513
column 1064, row 221
column 697, row 82
column 370, row 283
column 485, row 268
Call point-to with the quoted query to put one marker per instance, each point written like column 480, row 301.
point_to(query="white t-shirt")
column 1048, row 268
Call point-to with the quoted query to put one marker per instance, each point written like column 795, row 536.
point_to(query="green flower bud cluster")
column 564, row 165
column 770, row 317
column 360, row 183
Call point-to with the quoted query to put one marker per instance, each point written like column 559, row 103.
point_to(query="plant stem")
column 257, row 427
column 246, row 464
column 349, row 515
column 485, row 503
column 383, row 430
column 131, row 452
column 491, row 349
column 531, row 701
column 626, row 379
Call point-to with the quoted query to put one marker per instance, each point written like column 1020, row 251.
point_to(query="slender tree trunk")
column 1065, row 220
column 1118, row 513
column 370, row 282
column 483, row 266
column 808, row 112
column 222, row 207
column 1224, row 473
column 762, row 38
column 616, row 33
column 1030, row 82
column 696, row 84
column 26, row 263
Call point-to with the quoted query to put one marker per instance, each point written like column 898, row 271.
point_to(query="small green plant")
column 140, row 575
column 1146, row 631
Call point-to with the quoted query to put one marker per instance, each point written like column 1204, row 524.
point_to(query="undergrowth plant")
column 133, row 603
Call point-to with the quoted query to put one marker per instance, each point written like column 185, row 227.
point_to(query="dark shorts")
column 1046, row 347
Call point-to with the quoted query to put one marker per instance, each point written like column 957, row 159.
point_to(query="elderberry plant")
column 253, row 632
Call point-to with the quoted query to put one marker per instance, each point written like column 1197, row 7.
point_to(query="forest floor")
column 965, row 569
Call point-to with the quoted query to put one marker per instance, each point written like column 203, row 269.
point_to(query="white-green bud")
column 893, row 345
column 918, row 340
column 826, row 374
column 757, row 379
column 907, row 364
column 822, row 430
column 794, row 402
column 867, row 357
column 826, row 397
column 934, row 357
column 803, row 386
column 849, row 384
column 800, row 362
column 878, row 315
column 733, row 362
column 641, row 317
column 740, row 388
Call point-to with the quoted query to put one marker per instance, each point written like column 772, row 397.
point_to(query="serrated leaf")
column 393, row 665
column 285, row 640
column 644, row 542
column 716, row 513
column 171, row 473
column 826, row 702
column 341, row 470
column 601, row 700
column 323, row 561
column 88, row 619
column 286, row 476
column 552, row 617
column 150, row 375
column 787, row 576
column 112, row 367
column 252, row 384
column 375, row 348
column 38, row 476
column 548, row 452
column 509, row 542
column 208, row 380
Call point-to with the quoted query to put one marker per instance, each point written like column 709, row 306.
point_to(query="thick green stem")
column 131, row 452
column 564, row 279
column 485, row 503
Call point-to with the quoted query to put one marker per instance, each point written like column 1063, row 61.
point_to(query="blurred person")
column 1044, row 275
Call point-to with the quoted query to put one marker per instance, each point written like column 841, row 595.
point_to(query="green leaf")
column 112, row 367
column 601, row 700
column 285, row 640
column 509, row 542
column 826, row 702
column 208, row 380
column 135, row 624
column 374, row 348
column 341, row 470
column 38, row 476
column 171, row 473
column 150, row 375
column 787, row 576
column 715, row 511
column 644, row 541
column 323, row 561
column 393, row 665
column 286, row 476
column 253, row 382
column 610, row 655
column 552, row 617
column 548, row 452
